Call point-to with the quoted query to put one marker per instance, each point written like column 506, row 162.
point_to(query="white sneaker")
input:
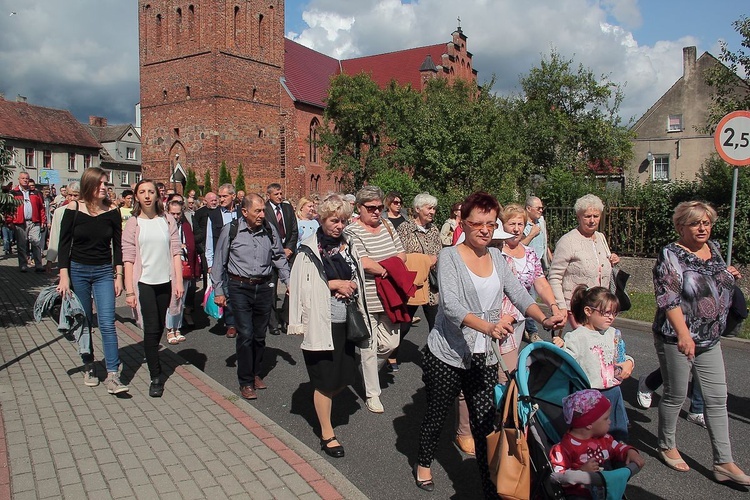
column 698, row 419
column 374, row 405
column 644, row 394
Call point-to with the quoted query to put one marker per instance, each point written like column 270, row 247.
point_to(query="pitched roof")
column 110, row 133
column 23, row 121
column 402, row 66
column 308, row 73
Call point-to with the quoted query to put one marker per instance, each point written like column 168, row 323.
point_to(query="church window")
column 158, row 30
column 314, row 124
column 178, row 26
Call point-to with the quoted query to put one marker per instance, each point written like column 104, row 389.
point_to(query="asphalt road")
column 381, row 449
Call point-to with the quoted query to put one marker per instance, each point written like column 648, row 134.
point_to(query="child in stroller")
column 587, row 446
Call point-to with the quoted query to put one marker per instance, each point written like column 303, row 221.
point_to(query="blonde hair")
column 300, row 205
column 692, row 211
column 512, row 211
column 334, row 205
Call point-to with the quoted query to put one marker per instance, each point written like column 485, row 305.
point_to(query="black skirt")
column 332, row 370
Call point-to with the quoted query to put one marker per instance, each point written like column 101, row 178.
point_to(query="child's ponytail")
column 595, row 297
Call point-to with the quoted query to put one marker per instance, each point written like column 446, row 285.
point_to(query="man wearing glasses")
column 536, row 237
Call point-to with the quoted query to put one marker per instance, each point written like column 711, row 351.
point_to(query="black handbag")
column 617, row 286
column 356, row 328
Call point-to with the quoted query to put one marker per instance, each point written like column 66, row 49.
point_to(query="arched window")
column 191, row 22
column 158, row 30
column 235, row 22
column 178, row 25
column 260, row 33
column 314, row 124
column 312, row 183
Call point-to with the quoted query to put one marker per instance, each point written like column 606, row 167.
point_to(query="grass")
column 644, row 307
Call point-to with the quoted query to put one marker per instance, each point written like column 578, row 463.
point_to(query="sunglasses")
column 479, row 225
column 373, row 208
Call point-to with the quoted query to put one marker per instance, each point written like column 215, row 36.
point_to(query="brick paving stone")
column 48, row 488
column 269, row 478
column 296, row 484
column 163, row 483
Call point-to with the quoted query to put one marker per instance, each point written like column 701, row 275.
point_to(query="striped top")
column 378, row 247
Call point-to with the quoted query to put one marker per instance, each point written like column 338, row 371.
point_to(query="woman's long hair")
column 90, row 181
column 158, row 203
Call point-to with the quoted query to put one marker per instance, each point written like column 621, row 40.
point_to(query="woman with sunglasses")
column 375, row 239
column 694, row 289
column 473, row 279
column 394, row 203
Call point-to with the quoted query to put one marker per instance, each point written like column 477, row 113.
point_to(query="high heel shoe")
column 721, row 474
column 331, row 451
column 422, row 484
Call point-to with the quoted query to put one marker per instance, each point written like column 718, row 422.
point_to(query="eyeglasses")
column 704, row 223
column 479, row 225
column 607, row 314
column 541, row 209
column 396, row 202
column 373, row 208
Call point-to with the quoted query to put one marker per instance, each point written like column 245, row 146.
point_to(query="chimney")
column 688, row 62
column 97, row 121
column 20, row 98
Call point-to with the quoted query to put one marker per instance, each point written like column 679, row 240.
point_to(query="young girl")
column 153, row 272
column 599, row 349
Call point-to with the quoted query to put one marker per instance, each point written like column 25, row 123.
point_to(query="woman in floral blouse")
column 693, row 287
column 527, row 267
column 421, row 236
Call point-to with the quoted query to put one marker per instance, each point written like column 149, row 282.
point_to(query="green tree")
column 191, row 182
column 730, row 92
column 224, row 176
column 207, row 183
column 571, row 117
column 7, row 202
column 239, row 181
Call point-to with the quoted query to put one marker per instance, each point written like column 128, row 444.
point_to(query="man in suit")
column 200, row 221
column 281, row 215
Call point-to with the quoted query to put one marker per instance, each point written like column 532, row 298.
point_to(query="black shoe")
column 24, row 269
column 335, row 451
column 157, row 388
column 423, row 484
column 275, row 331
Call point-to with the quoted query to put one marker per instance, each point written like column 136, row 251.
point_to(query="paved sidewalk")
column 61, row 439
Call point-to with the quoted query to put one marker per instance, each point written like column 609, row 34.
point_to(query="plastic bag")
column 212, row 310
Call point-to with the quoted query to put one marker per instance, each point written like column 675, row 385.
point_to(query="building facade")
column 49, row 144
column 121, row 151
column 669, row 140
column 220, row 83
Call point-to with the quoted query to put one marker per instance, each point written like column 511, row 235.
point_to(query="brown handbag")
column 508, row 452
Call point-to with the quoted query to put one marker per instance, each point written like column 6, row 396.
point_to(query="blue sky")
column 82, row 55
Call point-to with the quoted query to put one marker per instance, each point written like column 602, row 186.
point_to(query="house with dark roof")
column 670, row 142
column 120, row 153
column 221, row 83
column 49, row 144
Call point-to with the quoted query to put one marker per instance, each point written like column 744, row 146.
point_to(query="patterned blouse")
column 530, row 272
column 421, row 240
column 702, row 289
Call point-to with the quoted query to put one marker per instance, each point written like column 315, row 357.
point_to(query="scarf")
column 335, row 265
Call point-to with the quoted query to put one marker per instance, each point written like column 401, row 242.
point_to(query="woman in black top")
column 393, row 205
column 90, row 243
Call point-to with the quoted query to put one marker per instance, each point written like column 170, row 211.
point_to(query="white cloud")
column 507, row 38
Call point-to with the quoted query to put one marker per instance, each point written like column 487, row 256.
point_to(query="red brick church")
column 220, row 82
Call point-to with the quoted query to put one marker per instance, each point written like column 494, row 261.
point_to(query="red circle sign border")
column 717, row 138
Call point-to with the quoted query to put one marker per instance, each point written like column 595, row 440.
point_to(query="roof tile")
column 23, row 121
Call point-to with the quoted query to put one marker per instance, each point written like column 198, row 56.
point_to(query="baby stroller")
column 545, row 375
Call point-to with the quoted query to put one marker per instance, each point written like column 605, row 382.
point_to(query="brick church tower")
column 210, row 92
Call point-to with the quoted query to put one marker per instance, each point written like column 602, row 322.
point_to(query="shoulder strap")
column 387, row 223
column 72, row 239
column 233, row 228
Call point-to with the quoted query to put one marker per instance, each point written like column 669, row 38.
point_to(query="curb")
column 324, row 478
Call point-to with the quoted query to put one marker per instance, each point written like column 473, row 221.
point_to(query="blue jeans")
column 618, row 427
column 7, row 238
column 252, row 305
column 85, row 280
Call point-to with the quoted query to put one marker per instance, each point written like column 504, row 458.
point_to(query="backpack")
column 234, row 226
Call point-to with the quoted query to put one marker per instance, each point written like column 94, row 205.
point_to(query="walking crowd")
column 355, row 270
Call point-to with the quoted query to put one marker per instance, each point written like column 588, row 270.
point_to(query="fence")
column 628, row 230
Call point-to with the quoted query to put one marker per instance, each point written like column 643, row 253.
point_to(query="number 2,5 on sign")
column 732, row 138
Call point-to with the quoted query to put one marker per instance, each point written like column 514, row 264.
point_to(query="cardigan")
column 131, row 252
column 449, row 340
column 578, row 260
column 310, row 298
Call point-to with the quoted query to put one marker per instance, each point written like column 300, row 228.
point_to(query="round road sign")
column 732, row 138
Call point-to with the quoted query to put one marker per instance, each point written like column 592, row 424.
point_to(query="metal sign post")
column 732, row 141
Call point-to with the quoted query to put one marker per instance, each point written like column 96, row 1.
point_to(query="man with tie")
column 281, row 216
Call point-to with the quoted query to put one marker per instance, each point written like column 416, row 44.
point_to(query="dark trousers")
column 154, row 301
column 442, row 383
column 251, row 305
column 279, row 315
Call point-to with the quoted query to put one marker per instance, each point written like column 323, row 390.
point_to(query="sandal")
column 423, row 484
column 179, row 336
column 172, row 337
column 677, row 464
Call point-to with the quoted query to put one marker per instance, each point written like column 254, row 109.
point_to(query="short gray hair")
column 74, row 186
column 228, row 187
column 369, row 193
column 588, row 201
column 531, row 199
column 424, row 199
column 334, row 205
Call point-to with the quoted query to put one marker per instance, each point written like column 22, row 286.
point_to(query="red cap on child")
column 583, row 408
